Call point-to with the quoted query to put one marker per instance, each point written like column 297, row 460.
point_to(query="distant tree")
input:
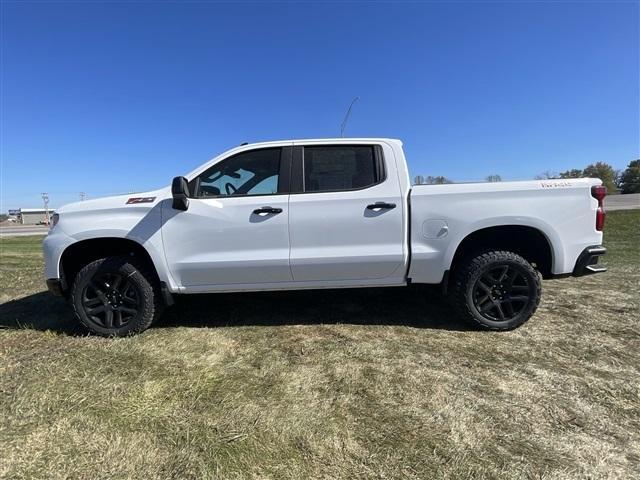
column 547, row 175
column 630, row 179
column 436, row 180
column 573, row 173
column 3, row 217
column 419, row 180
column 493, row 178
column 604, row 172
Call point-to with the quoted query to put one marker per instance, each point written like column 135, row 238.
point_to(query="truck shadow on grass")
column 416, row 307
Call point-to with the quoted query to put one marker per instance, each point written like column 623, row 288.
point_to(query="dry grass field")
column 375, row 383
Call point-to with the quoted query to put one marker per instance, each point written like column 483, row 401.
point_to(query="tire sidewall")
column 144, row 290
column 482, row 263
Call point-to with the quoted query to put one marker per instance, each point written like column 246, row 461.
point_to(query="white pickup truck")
column 330, row 213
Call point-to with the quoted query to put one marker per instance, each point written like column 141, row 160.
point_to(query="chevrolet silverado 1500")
column 330, row 213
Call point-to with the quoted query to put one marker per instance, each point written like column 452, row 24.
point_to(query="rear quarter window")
column 340, row 167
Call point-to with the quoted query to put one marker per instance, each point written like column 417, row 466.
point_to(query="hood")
column 136, row 216
column 117, row 201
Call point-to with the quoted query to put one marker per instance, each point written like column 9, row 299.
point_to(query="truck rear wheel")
column 497, row 290
column 115, row 297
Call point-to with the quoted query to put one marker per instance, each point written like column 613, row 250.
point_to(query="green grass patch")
column 622, row 237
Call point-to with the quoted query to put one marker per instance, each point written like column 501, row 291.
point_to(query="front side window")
column 249, row 173
column 344, row 167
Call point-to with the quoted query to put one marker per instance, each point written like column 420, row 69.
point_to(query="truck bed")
column 443, row 215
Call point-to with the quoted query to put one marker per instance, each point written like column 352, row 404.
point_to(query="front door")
column 235, row 231
column 345, row 214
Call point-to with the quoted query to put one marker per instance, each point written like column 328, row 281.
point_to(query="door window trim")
column 297, row 168
column 284, row 175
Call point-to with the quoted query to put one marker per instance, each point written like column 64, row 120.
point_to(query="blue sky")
column 114, row 97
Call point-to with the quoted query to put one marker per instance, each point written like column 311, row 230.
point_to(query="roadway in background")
column 622, row 202
column 22, row 230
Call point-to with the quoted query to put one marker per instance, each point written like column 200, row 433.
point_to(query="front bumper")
column 587, row 263
column 52, row 247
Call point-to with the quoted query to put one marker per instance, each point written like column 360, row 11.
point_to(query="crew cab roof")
column 321, row 140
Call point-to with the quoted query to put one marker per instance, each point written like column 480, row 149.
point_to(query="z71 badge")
column 140, row 200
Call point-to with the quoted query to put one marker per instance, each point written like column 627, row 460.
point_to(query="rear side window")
column 341, row 167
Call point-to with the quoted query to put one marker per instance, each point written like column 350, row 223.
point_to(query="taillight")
column 600, row 216
column 599, row 192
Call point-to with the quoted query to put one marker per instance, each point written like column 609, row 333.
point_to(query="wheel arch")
column 530, row 242
column 82, row 252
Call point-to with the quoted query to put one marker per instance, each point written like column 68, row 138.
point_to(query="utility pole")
column 82, row 196
column 346, row 116
column 45, row 199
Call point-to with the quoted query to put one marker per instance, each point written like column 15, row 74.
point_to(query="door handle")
column 269, row 210
column 381, row 206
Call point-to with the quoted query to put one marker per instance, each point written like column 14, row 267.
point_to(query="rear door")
column 345, row 213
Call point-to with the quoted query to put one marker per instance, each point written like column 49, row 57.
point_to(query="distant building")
column 34, row 216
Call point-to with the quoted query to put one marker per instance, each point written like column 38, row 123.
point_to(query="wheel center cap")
column 497, row 292
column 114, row 298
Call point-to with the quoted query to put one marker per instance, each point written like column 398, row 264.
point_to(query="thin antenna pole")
column 346, row 117
column 45, row 199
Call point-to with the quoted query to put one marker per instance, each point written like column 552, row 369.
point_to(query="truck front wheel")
column 497, row 290
column 115, row 297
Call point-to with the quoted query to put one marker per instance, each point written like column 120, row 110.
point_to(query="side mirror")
column 180, row 192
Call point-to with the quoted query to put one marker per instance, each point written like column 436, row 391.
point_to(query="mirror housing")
column 180, row 192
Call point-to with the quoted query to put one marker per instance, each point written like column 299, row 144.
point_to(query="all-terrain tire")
column 142, row 294
column 482, row 294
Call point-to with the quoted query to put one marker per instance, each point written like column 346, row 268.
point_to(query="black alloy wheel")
column 498, row 290
column 501, row 293
column 116, row 296
column 109, row 300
